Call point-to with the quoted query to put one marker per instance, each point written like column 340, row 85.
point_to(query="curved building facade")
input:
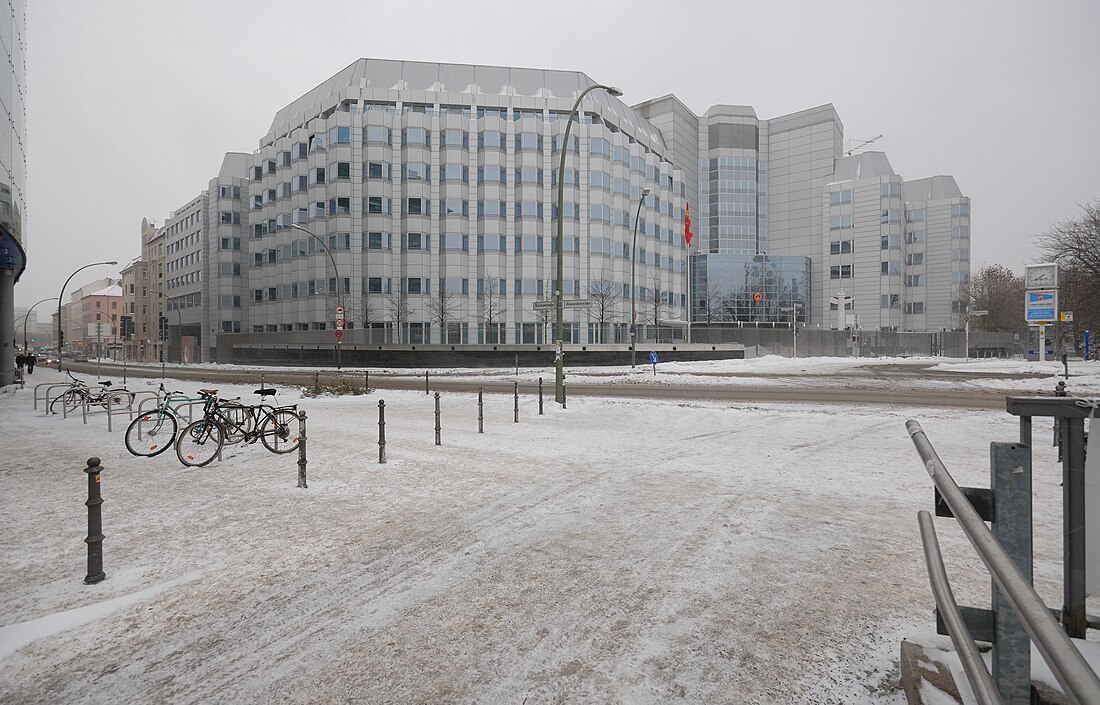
column 434, row 186
column 13, row 172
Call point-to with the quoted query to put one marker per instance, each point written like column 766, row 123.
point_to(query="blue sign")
column 1041, row 306
column 653, row 357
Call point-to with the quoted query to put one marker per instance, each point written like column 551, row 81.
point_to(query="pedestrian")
column 31, row 362
column 20, row 360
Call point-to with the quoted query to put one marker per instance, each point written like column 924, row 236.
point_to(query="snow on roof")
column 113, row 290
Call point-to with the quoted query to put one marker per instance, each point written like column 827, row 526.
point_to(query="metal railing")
column 1068, row 666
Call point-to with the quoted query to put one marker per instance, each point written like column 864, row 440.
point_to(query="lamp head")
column 613, row 91
column 645, row 192
column 110, row 263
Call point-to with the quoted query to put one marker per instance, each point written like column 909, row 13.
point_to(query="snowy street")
column 619, row 551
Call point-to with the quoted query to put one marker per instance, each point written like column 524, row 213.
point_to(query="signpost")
column 841, row 301
column 653, row 361
column 544, row 305
column 339, row 332
column 1040, row 308
column 967, row 319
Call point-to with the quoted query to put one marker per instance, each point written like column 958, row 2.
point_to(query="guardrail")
column 1014, row 599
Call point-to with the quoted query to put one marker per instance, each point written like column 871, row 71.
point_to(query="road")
column 862, row 386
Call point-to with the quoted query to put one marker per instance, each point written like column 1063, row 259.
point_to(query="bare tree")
column 1075, row 246
column 999, row 291
column 712, row 300
column 656, row 309
column 546, row 314
column 398, row 304
column 492, row 308
column 443, row 308
column 603, row 298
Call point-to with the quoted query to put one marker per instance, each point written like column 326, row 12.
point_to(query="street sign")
column 1040, row 306
column 339, row 333
column 544, row 305
column 1067, row 316
column 979, row 313
column 758, row 297
column 653, row 356
column 577, row 303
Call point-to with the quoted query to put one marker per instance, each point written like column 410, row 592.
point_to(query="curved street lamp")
column 27, row 318
column 339, row 284
column 559, row 376
column 60, row 299
column 633, row 295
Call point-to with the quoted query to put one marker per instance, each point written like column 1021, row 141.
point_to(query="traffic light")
column 164, row 328
column 126, row 326
column 60, row 339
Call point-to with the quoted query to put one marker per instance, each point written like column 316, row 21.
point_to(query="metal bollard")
column 109, row 429
column 480, row 414
column 563, row 394
column 366, row 382
column 381, row 430
column 95, row 524
column 437, row 441
column 302, row 449
column 1059, row 391
column 316, row 383
column 426, row 383
column 540, row 396
column 517, row 403
column 84, row 409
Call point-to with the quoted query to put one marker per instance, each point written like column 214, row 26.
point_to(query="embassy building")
column 422, row 198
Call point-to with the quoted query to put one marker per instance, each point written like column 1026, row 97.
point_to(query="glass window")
column 376, row 134
column 417, row 136
column 454, row 138
column 415, row 171
column 376, row 170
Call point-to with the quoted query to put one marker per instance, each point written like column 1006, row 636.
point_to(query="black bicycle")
column 202, row 441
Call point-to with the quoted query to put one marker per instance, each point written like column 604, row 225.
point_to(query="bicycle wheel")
column 279, row 431
column 121, row 399
column 151, row 433
column 70, row 399
column 200, row 442
column 237, row 421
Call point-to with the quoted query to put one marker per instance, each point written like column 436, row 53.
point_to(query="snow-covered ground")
column 618, row 551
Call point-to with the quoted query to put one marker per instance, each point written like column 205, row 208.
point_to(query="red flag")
column 687, row 224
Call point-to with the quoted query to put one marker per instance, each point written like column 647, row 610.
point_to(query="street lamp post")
column 27, row 318
column 339, row 286
column 559, row 375
column 633, row 295
column 60, row 299
column 170, row 301
column 794, row 323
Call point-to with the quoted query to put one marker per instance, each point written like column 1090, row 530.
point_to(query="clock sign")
column 1041, row 276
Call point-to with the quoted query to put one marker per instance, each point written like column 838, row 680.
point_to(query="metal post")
column 84, row 408
column 480, row 412
column 302, row 449
column 316, row 383
column 95, row 524
column 563, row 395
column 366, row 382
column 540, row 396
column 108, row 393
column 1010, row 482
column 1065, row 365
column 517, row 403
column 437, row 427
column 381, row 430
column 426, row 392
column 1074, row 618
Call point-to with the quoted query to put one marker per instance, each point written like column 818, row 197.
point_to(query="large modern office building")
column 422, row 198
column 13, row 172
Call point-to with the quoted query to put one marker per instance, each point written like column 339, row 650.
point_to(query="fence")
column 1017, row 611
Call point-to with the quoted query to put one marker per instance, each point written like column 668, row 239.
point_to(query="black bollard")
column 426, row 382
column 381, row 430
column 563, row 394
column 1065, row 365
column 316, row 383
column 517, row 403
column 302, row 449
column 437, row 441
column 95, row 524
column 480, row 415
column 540, row 396
column 366, row 382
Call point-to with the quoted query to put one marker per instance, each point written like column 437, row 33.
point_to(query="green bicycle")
column 202, row 441
column 154, row 431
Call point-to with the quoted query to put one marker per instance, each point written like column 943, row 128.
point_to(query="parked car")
column 80, row 357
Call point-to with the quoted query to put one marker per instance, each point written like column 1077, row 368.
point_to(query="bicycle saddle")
column 265, row 392
column 105, row 384
column 208, row 392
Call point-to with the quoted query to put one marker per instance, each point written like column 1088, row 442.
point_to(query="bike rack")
column 190, row 406
column 46, row 397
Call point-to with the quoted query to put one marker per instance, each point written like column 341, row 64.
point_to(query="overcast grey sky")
column 133, row 103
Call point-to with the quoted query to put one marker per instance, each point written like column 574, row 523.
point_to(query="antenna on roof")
column 862, row 143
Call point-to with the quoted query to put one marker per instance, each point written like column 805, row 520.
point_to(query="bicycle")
column 202, row 441
column 79, row 392
column 154, row 431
